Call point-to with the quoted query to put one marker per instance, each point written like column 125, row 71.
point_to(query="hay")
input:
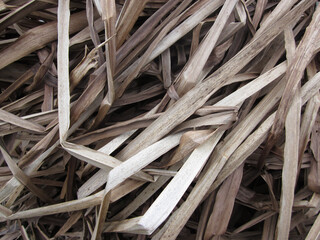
column 159, row 119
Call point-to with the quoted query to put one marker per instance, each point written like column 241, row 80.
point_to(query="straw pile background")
column 159, row 119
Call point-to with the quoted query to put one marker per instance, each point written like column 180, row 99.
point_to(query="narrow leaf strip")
column 290, row 167
column 161, row 208
column 15, row 120
column 63, row 68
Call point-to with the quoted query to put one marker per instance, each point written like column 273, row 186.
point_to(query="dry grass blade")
column 301, row 59
column 22, row 177
column 143, row 31
column 224, row 202
column 159, row 119
column 109, row 17
column 254, row 221
column 20, row 12
column 249, row 89
column 134, row 164
column 192, row 70
column 188, row 142
column 88, row 62
column 63, row 69
column 244, row 151
column 15, row 120
column 151, row 189
column 71, row 221
column 36, row 38
column 84, row 35
column 204, row 216
column 131, row 11
column 315, row 230
column 197, row 96
column 70, row 206
column 261, row 5
column 148, row 223
column 93, row 32
column 45, row 66
column 307, row 124
column 313, row 182
column 130, row 167
column 269, row 227
column 18, row 83
column 290, row 166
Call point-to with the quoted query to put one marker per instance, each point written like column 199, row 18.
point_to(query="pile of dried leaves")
column 159, row 119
